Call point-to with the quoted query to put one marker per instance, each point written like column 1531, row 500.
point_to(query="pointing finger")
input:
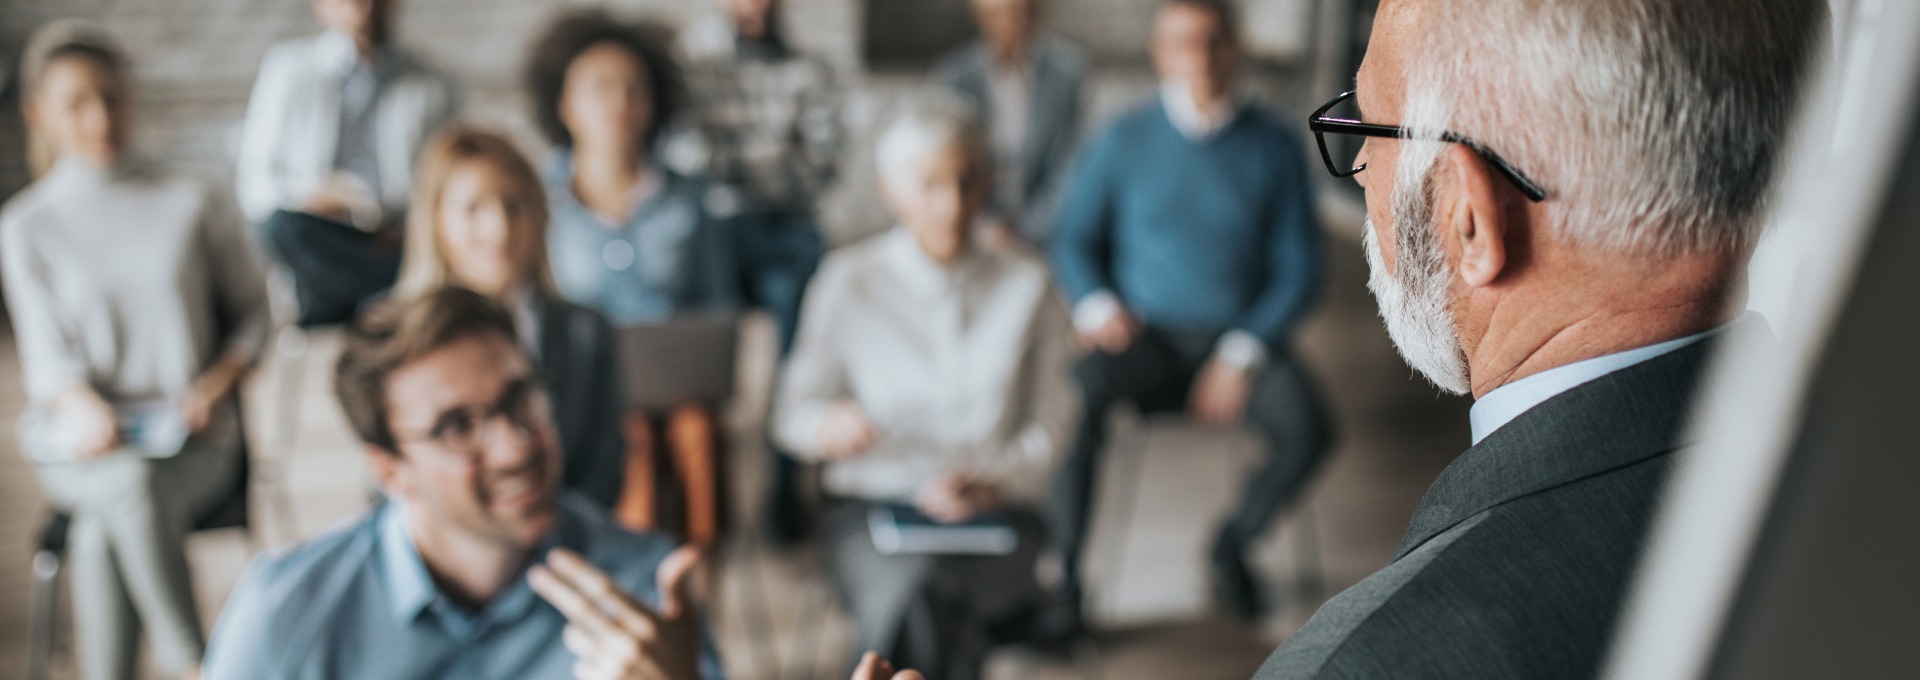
column 599, row 589
column 569, row 601
column 675, row 575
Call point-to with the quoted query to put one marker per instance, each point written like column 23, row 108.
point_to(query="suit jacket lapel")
column 971, row 81
column 1048, row 97
column 1617, row 420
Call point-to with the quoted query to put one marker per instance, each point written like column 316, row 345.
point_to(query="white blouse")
column 961, row 368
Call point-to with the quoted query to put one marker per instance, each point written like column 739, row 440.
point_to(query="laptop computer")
column 686, row 360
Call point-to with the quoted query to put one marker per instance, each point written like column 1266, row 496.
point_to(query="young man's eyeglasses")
column 523, row 404
column 1347, row 122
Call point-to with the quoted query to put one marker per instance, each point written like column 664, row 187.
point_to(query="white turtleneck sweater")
column 126, row 279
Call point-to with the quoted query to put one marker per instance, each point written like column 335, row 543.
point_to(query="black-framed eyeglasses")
column 1322, row 124
column 523, row 404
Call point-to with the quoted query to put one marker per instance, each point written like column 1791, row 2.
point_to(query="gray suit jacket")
column 575, row 349
column 1054, row 127
column 1518, row 558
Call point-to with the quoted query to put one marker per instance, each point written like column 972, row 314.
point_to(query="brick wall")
column 195, row 61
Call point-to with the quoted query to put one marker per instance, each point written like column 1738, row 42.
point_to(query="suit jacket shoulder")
column 1518, row 560
column 1531, row 589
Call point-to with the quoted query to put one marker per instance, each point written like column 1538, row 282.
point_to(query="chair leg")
column 46, row 581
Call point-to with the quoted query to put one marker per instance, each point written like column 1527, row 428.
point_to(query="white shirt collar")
column 338, row 52
column 920, row 270
column 1187, row 117
column 1507, row 402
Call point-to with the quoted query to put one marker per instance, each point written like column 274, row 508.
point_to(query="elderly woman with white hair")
column 931, row 377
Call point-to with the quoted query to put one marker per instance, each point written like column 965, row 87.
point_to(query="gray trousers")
column 127, row 545
column 927, row 612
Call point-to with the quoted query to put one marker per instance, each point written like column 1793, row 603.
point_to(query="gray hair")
column 921, row 129
column 1655, row 126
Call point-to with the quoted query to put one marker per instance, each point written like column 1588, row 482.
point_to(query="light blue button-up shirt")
column 1503, row 404
column 359, row 603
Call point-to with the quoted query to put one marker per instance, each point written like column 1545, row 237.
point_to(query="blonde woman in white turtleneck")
column 138, row 306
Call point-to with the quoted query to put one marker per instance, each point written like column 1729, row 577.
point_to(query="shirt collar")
column 1505, row 403
column 338, row 52
column 411, row 591
column 558, row 176
column 770, row 47
column 1192, row 121
column 921, row 271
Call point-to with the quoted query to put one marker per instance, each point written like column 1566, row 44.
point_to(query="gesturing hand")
column 872, row 667
column 616, row 637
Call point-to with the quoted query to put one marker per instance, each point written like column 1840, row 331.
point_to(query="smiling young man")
column 445, row 578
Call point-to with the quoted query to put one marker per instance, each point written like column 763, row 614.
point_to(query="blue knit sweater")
column 1196, row 236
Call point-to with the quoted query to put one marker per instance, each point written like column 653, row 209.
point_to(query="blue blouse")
column 668, row 259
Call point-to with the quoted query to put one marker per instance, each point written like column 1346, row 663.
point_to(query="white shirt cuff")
column 1095, row 310
column 1241, row 349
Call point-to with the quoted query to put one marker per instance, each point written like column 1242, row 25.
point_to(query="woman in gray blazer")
column 479, row 220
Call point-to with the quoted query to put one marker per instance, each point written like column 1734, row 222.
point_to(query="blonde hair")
column 423, row 268
column 50, row 43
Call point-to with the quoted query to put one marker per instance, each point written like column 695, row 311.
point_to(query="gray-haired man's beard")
column 1413, row 301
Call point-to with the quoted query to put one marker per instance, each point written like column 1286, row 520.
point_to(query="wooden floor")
column 1164, row 488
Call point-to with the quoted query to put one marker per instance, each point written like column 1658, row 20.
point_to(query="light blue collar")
column 1508, row 401
column 411, row 591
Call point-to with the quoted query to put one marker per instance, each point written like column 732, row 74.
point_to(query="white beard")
column 1414, row 301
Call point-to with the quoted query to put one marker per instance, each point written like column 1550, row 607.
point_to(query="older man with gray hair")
column 1562, row 200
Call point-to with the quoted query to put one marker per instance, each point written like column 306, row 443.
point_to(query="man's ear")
column 1475, row 218
column 385, row 466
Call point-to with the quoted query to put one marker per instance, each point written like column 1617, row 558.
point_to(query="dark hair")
column 573, row 34
column 398, row 332
column 1221, row 9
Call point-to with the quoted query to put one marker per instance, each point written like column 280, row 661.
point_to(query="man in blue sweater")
column 1189, row 249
